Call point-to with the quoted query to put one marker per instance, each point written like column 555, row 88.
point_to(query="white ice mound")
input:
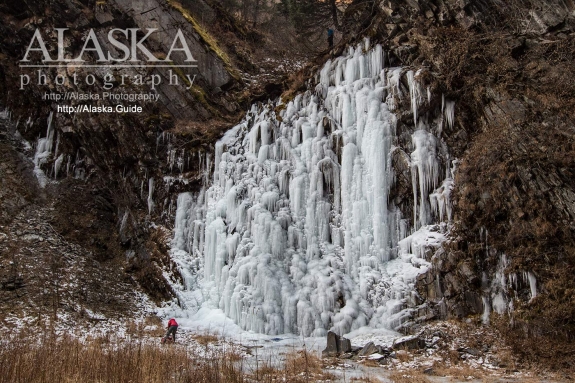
column 295, row 232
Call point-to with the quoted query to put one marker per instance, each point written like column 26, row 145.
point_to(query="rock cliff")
column 508, row 66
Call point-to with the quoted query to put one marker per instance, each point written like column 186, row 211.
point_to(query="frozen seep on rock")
column 295, row 231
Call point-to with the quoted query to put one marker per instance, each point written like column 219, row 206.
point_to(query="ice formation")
column 295, row 231
column 150, row 195
column 43, row 152
column 505, row 287
column 46, row 152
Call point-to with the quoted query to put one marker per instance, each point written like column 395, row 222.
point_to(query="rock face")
column 46, row 266
column 212, row 62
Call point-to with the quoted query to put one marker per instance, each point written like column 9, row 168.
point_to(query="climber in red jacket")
column 172, row 328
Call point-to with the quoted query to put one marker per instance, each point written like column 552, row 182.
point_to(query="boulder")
column 409, row 343
column 377, row 356
column 344, row 345
column 336, row 345
column 384, row 350
column 332, row 347
column 368, row 349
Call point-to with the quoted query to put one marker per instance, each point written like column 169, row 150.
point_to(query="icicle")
column 486, row 310
column 450, row 113
column 440, row 200
column 150, row 195
column 58, row 165
column 425, row 172
column 181, row 161
column 415, row 94
column 43, row 152
column 532, row 284
column 181, row 228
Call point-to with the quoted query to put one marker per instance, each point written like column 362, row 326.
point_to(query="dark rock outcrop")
column 332, row 347
column 336, row 345
column 409, row 343
column 369, row 349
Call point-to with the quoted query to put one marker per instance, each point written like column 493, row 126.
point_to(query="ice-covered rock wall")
column 295, row 231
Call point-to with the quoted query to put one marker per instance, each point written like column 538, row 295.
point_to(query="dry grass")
column 507, row 360
column 460, row 372
column 370, row 363
column 408, row 377
column 296, row 83
column 299, row 367
column 205, row 339
column 365, row 379
column 404, row 356
column 453, row 357
column 524, row 379
column 97, row 360
column 151, row 325
column 303, row 361
column 68, row 360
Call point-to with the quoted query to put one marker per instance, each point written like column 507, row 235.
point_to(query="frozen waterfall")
column 295, row 232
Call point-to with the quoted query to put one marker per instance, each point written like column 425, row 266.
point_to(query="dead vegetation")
column 365, row 379
column 50, row 359
column 205, row 339
column 150, row 326
column 25, row 359
column 404, row 356
column 460, row 372
column 412, row 376
column 300, row 366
